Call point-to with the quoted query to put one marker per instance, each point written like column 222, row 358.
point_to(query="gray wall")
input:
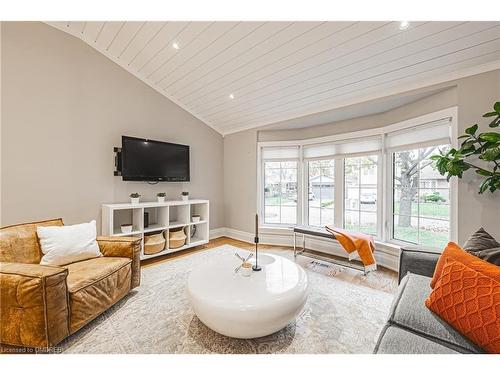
column 63, row 108
column 473, row 95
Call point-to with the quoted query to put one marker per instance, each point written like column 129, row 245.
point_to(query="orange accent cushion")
column 454, row 251
column 469, row 300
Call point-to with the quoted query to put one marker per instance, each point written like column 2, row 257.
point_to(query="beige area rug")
column 344, row 313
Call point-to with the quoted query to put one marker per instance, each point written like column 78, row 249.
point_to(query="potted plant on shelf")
column 134, row 198
column 185, row 195
column 161, row 197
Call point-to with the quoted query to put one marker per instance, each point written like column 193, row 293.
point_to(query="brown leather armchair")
column 42, row 305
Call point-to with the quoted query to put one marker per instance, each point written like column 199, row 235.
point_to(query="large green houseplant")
column 483, row 146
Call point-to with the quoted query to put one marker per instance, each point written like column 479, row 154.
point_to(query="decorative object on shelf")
column 185, row 195
column 256, row 267
column 243, row 261
column 134, row 198
column 193, row 231
column 484, row 146
column 146, row 219
column 126, row 228
column 154, row 243
column 161, row 197
column 176, row 238
column 195, row 218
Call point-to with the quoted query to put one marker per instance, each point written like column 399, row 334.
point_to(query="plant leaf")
column 484, row 185
column 490, row 137
column 496, row 107
column 483, row 173
column 472, row 130
column 495, row 123
column 490, row 114
column 491, row 154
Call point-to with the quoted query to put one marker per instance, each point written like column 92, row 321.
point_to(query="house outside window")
column 321, row 192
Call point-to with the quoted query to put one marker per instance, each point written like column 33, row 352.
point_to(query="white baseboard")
column 217, row 232
column 388, row 258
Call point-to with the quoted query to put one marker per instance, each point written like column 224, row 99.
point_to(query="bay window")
column 380, row 182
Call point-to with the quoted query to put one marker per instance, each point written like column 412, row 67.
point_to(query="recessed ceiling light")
column 175, row 45
column 404, row 25
column 231, row 96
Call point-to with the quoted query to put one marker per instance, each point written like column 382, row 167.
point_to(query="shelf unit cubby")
column 162, row 217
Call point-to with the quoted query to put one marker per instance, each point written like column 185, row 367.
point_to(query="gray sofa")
column 411, row 327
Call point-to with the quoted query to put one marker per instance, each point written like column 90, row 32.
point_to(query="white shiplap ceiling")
column 282, row 70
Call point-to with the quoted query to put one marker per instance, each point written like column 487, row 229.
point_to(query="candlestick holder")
column 256, row 266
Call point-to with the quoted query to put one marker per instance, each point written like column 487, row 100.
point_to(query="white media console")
column 162, row 217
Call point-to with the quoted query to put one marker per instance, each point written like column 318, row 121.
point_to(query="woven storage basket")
column 154, row 243
column 176, row 238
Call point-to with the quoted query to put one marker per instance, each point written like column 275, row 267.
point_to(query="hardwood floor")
column 382, row 279
column 212, row 244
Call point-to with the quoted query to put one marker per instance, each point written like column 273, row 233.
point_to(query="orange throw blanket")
column 351, row 242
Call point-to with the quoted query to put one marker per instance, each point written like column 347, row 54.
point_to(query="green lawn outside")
column 367, row 229
column 441, row 211
column 427, row 238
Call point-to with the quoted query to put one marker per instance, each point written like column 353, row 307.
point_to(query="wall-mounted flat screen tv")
column 149, row 160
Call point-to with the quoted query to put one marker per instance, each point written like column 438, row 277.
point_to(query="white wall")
column 64, row 106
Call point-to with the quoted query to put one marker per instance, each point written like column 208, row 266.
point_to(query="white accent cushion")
column 69, row 243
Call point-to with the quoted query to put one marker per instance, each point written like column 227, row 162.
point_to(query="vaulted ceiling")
column 240, row 75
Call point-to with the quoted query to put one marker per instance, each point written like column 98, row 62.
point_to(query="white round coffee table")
column 247, row 307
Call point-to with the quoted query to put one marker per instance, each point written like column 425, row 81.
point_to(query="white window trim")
column 260, row 196
column 384, row 205
column 336, row 194
column 380, row 221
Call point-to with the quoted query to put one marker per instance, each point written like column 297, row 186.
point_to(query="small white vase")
column 185, row 197
column 161, row 199
column 134, row 200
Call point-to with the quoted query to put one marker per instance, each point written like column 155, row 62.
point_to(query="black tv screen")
column 148, row 160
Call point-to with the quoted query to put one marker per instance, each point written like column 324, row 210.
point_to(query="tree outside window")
column 421, row 205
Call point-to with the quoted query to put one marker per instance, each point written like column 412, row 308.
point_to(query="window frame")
column 384, row 175
column 305, row 197
column 379, row 234
column 260, row 189
column 390, row 218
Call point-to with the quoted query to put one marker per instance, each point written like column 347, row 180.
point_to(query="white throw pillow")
column 69, row 243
